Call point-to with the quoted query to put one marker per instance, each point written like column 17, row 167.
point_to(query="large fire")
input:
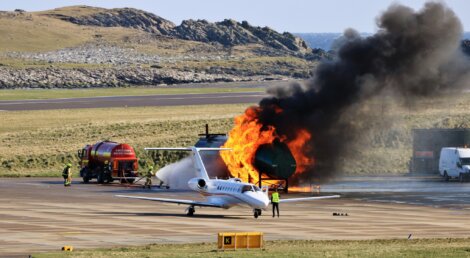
column 247, row 135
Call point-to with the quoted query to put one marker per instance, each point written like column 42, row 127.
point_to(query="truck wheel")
column 100, row 178
column 446, row 177
column 86, row 179
column 107, row 178
column 461, row 178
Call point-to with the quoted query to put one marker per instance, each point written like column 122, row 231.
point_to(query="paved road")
column 133, row 101
column 38, row 214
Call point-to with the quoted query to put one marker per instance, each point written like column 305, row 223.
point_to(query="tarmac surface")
column 40, row 214
column 133, row 101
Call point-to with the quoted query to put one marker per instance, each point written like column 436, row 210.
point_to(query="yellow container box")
column 240, row 240
column 67, row 248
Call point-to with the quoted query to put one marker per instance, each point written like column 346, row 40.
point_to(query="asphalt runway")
column 40, row 214
column 133, row 101
column 423, row 191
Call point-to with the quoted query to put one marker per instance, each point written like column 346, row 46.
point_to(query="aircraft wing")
column 309, row 198
column 177, row 201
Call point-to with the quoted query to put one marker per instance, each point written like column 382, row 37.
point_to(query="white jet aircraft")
column 222, row 193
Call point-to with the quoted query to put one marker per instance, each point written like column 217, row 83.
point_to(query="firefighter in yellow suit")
column 67, row 175
column 148, row 178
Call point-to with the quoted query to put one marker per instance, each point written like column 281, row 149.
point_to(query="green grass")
column 39, row 143
column 425, row 248
column 21, row 94
column 73, row 11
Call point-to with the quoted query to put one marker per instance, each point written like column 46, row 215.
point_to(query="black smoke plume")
column 414, row 53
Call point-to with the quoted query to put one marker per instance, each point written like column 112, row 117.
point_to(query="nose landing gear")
column 190, row 211
column 256, row 213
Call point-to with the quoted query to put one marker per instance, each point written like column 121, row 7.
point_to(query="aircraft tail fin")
column 198, row 163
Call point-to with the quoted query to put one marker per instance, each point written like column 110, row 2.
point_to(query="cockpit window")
column 246, row 188
column 252, row 188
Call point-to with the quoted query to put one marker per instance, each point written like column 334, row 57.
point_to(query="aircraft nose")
column 264, row 201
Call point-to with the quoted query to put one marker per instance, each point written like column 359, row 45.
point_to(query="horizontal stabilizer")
column 170, row 149
column 198, row 163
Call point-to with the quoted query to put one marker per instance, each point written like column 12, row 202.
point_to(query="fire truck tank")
column 103, row 151
column 107, row 161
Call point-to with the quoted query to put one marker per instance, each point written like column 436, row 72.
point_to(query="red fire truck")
column 108, row 161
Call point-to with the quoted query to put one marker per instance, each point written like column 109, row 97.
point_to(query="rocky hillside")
column 231, row 33
column 227, row 32
column 120, row 17
column 83, row 46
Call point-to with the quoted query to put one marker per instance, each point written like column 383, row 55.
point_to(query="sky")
column 291, row 15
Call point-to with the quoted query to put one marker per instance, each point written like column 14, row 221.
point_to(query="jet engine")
column 197, row 184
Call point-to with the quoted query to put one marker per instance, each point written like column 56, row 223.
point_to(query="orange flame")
column 245, row 138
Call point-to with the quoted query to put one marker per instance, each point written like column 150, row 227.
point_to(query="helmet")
column 69, row 165
column 151, row 167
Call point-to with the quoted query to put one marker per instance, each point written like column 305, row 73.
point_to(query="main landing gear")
column 256, row 213
column 190, row 211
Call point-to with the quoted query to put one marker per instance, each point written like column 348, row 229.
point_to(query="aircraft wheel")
column 190, row 211
column 256, row 213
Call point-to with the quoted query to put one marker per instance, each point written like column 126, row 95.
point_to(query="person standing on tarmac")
column 148, row 178
column 67, row 175
column 275, row 202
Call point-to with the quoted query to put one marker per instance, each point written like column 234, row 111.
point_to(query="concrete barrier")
column 244, row 240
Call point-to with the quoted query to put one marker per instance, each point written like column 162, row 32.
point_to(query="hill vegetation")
column 82, row 46
column 227, row 32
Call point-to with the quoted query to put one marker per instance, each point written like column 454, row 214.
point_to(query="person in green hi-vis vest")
column 275, row 202
column 67, row 175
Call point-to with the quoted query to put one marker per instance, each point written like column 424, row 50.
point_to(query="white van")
column 455, row 163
